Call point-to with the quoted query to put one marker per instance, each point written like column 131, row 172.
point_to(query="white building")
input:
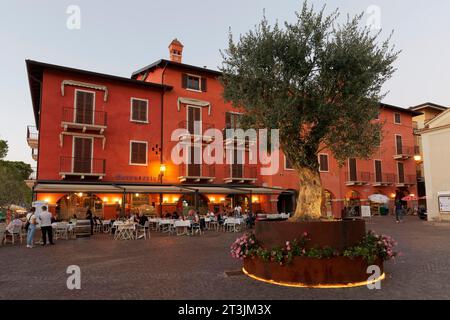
column 436, row 162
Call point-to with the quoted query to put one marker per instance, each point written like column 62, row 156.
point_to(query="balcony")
column 82, row 167
column 30, row 182
column 385, row 180
column 403, row 153
column 34, row 154
column 407, row 181
column 240, row 141
column 197, row 172
column 32, row 137
column 92, row 121
column 241, row 174
column 357, row 178
column 196, row 131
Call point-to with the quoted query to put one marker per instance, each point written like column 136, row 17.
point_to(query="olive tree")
column 316, row 80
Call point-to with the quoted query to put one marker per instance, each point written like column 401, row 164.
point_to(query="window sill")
column 140, row 122
column 194, row 90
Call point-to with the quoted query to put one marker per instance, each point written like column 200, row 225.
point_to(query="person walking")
column 45, row 219
column 398, row 210
column 30, row 226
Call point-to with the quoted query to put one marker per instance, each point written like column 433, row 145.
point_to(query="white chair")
column 16, row 233
column 106, row 226
column 142, row 230
column 61, row 231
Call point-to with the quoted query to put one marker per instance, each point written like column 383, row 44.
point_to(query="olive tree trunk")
column 310, row 197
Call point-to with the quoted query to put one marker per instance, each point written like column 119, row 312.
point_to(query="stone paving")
column 171, row 267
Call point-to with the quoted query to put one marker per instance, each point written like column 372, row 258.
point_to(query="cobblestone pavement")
column 171, row 267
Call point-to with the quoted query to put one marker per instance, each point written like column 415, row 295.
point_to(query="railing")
column 196, row 127
column 404, row 151
column 32, row 133
column 358, row 176
column 384, row 178
column 243, row 171
column 79, row 165
column 33, row 174
column 34, row 153
column 197, row 170
column 409, row 179
column 94, row 118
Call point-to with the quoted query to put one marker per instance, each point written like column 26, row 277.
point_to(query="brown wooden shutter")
column 134, row 152
column 143, row 111
column 142, row 153
column 323, row 162
column 82, row 153
column 399, row 144
column 378, row 172
column 401, row 172
column 352, row 167
column 134, row 111
column 203, row 84
column 184, row 80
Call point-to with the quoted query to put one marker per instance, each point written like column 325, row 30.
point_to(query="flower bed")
column 297, row 262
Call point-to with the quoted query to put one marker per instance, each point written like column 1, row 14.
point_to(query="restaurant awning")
column 141, row 188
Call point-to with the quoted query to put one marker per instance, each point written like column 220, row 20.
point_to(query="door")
column 82, row 155
column 352, row 169
column 401, row 172
column 194, row 120
column 399, row 144
column 378, row 173
column 238, row 163
column 194, row 127
column 84, row 107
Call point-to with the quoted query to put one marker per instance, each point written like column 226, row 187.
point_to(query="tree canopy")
column 316, row 80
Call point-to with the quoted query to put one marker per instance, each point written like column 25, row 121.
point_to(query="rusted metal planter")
column 337, row 271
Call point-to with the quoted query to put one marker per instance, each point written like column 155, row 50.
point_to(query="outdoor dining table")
column 63, row 229
column 232, row 224
column 182, row 227
column 165, row 225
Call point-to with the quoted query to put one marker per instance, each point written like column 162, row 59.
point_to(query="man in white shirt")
column 45, row 219
column 237, row 210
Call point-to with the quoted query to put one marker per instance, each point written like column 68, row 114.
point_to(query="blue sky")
column 118, row 37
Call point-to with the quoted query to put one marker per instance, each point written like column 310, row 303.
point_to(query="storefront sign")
column 136, row 178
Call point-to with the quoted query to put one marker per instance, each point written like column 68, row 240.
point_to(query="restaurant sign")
column 136, row 178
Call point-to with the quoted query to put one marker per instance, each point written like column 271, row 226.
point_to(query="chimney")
column 176, row 50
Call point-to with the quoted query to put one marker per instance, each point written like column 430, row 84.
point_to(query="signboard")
column 444, row 203
column 365, row 211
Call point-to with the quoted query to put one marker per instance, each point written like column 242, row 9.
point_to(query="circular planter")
column 337, row 271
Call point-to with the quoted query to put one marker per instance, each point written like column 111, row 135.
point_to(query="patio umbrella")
column 378, row 198
column 410, row 198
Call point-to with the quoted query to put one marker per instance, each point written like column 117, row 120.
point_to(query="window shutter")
column 134, row 152
column 142, row 153
column 143, row 111
column 134, row 110
column 184, row 80
column 203, row 84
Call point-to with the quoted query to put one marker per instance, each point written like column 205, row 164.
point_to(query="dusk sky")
column 118, row 37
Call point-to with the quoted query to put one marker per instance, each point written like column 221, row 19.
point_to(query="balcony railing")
column 406, row 180
column 32, row 136
column 403, row 152
column 241, row 173
column 94, row 120
column 357, row 178
column 385, row 179
column 196, row 130
column 78, row 166
column 197, row 172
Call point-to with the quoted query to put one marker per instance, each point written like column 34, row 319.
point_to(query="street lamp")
column 162, row 170
column 418, row 158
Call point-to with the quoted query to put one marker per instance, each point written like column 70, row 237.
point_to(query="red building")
column 105, row 142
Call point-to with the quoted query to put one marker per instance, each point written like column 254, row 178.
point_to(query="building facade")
column 106, row 143
column 436, row 157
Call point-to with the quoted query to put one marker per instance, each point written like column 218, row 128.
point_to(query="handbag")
column 27, row 225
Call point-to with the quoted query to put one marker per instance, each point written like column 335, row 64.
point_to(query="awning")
column 136, row 188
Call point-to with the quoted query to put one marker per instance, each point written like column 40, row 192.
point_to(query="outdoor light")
column 136, row 194
column 175, row 199
column 47, row 200
column 392, row 195
column 165, row 199
column 162, row 168
column 418, row 157
column 222, row 199
column 67, row 197
column 80, row 194
column 412, row 194
column 105, row 199
column 255, row 199
column 212, row 199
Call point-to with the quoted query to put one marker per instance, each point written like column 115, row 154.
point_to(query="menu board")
column 444, row 203
column 365, row 211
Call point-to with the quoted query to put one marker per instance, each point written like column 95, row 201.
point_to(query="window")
column 84, row 106
column 138, row 153
column 323, row 162
column 287, row 164
column 397, row 118
column 139, row 110
column 192, row 82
